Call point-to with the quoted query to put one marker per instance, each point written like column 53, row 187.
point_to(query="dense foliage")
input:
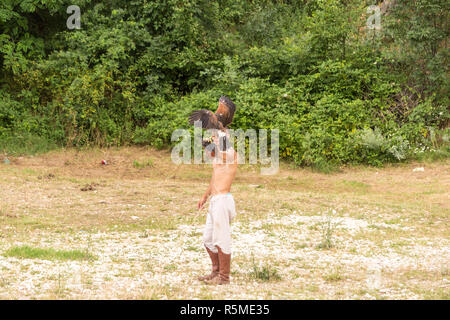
column 339, row 92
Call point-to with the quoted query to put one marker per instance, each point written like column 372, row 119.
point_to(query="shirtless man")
column 217, row 234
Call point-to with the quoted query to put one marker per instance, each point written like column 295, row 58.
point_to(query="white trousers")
column 218, row 223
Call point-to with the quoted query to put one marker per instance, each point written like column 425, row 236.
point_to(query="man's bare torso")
column 224, row 173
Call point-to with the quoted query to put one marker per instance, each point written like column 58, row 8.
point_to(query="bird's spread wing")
column 225, row 111
column 209, row 120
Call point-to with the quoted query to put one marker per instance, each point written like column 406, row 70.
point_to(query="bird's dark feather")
column 218, row 120
column 209, row 120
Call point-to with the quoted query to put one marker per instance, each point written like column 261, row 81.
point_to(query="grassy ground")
column 71, row 228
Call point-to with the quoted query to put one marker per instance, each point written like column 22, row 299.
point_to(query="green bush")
column 133, row 73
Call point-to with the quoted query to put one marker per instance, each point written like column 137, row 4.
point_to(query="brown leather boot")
column 224, row 270
column 215, row 266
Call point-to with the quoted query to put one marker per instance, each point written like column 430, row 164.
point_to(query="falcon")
column 220, row 120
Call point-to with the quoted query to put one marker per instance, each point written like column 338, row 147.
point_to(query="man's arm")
column 203, row 200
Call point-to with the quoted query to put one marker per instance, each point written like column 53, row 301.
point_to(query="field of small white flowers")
column 72, row 228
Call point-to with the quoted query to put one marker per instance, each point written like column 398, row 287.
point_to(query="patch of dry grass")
column 389, row 235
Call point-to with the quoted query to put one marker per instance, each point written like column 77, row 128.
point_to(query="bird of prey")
column 220, row 120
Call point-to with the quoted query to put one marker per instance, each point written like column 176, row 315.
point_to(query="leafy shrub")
column 135, row 71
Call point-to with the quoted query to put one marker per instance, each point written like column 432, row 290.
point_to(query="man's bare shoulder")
column 229, row 157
